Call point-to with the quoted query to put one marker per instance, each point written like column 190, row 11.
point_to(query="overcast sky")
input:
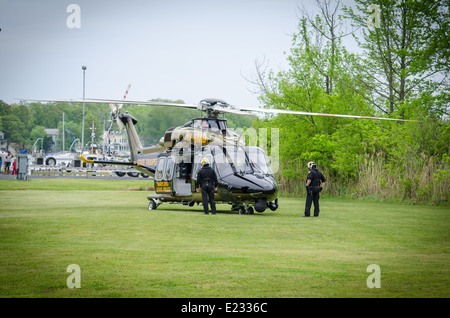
column 172, row 49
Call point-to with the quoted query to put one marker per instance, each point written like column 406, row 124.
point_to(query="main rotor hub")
column 212, row 106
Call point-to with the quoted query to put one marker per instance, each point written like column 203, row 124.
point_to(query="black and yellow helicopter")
column 245, row 177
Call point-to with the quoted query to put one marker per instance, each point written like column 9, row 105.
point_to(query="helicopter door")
column 182, row 179
column 164, row 174
column 195, row 168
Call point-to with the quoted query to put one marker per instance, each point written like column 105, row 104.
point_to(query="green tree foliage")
column 406, row 57
column 14, row 129
column 36, row 133
column 360, row 156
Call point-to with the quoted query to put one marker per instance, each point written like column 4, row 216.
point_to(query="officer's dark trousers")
column 208, row 191
column 310, row 198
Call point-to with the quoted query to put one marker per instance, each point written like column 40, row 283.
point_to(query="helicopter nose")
column 256, row 186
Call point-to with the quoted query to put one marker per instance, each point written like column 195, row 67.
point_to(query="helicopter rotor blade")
column 232, row 111
column 219, row 109
column 107, row 101
column 113, row 108
column 136, row 102
column 115, row 116
column 282, row 111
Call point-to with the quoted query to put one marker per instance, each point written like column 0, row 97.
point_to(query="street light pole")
column 82, row 129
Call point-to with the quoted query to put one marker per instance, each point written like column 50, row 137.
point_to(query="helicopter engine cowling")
column 167, row 141
column 186, row 135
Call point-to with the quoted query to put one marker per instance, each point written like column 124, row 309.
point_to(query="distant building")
column 116, row 141
column 4, row 144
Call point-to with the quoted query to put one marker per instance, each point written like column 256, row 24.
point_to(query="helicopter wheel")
column 152, row 205
column 250, row 210
column 241, row 210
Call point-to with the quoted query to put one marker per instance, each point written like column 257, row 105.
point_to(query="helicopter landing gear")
column 153, row 204
column 245, row 209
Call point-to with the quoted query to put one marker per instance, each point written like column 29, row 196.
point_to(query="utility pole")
column 82, row 127
column 64, row 141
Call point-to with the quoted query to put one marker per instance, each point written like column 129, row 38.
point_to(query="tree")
column 329, row 27
column 37, row 132
column 405, row 56
column 47, row 143
column 14, row 129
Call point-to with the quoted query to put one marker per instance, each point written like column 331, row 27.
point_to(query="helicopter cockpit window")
column 214, row 125
column 232, row 160
column 208, row 124
column 259, row 160
column 160, row 168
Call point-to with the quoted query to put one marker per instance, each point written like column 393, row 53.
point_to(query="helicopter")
column 245, row 178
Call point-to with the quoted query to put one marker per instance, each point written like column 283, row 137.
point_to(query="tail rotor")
column 115, row 111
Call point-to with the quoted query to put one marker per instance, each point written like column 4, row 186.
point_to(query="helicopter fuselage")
column 244, row 175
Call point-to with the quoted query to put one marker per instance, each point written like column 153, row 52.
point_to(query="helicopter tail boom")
column 119, row 163
column 133, row 138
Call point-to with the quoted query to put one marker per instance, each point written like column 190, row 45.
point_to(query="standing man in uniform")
column 313, row 187
column 207, row 181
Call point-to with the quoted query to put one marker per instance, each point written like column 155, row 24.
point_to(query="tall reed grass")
column 416, row 180
column 422, row 179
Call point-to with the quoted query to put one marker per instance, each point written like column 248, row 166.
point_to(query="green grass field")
column 124, row 250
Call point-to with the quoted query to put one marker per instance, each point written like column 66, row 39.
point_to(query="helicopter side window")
column 160, row 168
column 169, row 168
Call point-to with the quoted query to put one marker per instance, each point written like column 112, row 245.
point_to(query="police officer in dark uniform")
column 313, row 187
column 207, row 182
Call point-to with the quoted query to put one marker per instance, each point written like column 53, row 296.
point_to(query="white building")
column 117, row 142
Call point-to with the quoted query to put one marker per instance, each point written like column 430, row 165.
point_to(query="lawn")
column 124, row 250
